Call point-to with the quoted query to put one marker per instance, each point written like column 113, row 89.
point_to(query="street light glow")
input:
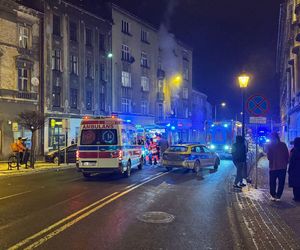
column 243, row 80
column 110, row 55
column 223, row 104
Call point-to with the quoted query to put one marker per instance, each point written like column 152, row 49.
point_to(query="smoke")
column 171, row 5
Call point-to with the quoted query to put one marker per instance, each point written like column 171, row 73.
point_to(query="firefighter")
column 154, row 152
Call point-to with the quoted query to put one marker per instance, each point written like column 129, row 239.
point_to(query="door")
column 210, row 156
column 199, row 154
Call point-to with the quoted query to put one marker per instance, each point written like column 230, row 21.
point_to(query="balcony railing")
column 15, row 94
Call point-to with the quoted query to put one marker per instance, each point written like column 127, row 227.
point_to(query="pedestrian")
column 278, row 156
column 239, row 152
column 163, row 145
column 294, row 169
column 20, row 151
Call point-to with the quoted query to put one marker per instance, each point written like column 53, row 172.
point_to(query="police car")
column 190, row 156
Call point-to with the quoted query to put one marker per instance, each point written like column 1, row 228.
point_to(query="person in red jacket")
column 278, row 156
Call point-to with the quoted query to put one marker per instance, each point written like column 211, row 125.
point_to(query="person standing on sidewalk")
column 294, row 169
column 278, row 156
column 239, row 154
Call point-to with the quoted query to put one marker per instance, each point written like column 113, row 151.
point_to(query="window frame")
column 24, row 39
column 145, row 83
column 22, row 78
column 126, row 79
column 72, row 99
column 125, row 52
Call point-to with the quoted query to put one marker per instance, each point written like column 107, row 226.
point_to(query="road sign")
column 258, row 120
column 15, row 127
column 258, row 105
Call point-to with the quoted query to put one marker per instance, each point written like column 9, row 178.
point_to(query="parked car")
column 190, row 156
column 71, row 154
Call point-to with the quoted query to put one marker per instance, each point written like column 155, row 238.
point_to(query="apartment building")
column 19, row 69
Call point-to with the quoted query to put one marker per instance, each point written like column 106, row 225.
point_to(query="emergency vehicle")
column 106, row 145
column 221, row 135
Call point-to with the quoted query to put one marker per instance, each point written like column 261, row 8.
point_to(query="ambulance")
column 107, row 145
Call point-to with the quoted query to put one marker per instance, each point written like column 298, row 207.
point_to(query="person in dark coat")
column 239, row 156
column 294, row 169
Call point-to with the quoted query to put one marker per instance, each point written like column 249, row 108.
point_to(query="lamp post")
column 223, row 105
column 243, row 82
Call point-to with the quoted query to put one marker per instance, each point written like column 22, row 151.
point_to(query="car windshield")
column 99, row 137
column 177, row 149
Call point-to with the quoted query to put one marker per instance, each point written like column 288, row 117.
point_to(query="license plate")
column 89, row 163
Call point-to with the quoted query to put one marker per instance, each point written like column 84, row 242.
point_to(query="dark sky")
column 227, row 37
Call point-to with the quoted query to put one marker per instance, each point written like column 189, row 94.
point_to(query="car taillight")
column 120, row 155
column 77, row 154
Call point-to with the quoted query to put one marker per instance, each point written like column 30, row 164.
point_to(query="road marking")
column 109, row 199
column 13, row 195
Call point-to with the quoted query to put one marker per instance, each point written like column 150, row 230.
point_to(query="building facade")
column 288, row 65
column 77, row 72
column 20, row 46
column 134, row 67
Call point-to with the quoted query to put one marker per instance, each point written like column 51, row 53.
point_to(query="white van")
column 108, row 144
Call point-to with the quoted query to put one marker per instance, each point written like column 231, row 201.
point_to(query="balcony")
column 18, row 95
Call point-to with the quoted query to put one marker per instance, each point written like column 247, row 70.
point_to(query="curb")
column 10, row 173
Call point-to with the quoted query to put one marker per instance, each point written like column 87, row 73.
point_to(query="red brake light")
column 77, row 154
column 120, row 155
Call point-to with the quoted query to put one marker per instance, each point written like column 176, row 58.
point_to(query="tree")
column 33, row 121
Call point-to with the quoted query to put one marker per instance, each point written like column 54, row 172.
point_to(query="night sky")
column 227, row 37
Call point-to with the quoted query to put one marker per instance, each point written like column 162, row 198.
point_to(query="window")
column 186, row 70
column 89, row 69
column 89, row 100
column 144, row 36
column 144, row 107
column 102, row 72
column 102, row 97
column 56, row 96
column 24, row 37
column 145, row 83
column 125, row 53
column 99, row 137
column 56, row 59
column 56, row 25
column 185, row 93
column 160, row 86
column 73, row 98
column 102, row 42
column 88, row 37
column 126, row 105
column 23, row 79
column 125, row 27
column 160, row 110
column 73, row 31
column 144, row 60
column 74, row 64
column 126, row 79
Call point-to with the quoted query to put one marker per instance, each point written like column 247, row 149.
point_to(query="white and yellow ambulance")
column 106, row 145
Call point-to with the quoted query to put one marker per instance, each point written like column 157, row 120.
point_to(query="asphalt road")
column 62, row 210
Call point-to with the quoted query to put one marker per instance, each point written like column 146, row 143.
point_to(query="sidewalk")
column 265, row 223
column 39, row 166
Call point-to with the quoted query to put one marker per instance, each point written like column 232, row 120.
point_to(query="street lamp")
column 223, row 105
column 243, row 82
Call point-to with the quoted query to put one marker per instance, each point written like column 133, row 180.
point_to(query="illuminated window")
column 145, row 83
column 24, row 37
column 23, row 79
column 126, row 79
